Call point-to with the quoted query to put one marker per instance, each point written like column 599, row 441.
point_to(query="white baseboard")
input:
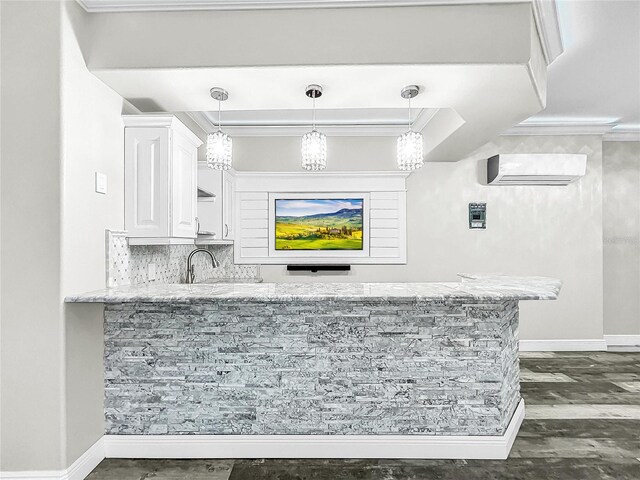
column 34, row 475
column 587, row 345
column 622, row 342
column 285, row 446
column 77, row 471
column 315, row 446
column 87, row 461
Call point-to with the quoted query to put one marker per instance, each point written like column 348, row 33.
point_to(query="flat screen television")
column 303, row 224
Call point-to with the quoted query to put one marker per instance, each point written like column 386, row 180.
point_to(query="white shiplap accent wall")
column 387, row 213
column 387, row 225
column 253, row 210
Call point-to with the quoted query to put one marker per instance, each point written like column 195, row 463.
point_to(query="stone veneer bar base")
column 352, row 368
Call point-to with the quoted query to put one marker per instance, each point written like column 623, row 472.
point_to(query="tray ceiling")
column 481, row 68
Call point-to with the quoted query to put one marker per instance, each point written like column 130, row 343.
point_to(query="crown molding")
column 560, row 128
column 329, row 130
column 545, row 13
column 333, row 130
column 423, row 118
column 101, row 6
column 161, row 120
column 343, row 174
column 609, row 131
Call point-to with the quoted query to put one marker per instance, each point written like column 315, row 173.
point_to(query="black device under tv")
column 318, row 268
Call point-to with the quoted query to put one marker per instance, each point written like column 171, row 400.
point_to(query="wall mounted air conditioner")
column 536, row 169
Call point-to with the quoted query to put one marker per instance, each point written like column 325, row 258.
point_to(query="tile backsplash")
column 129, row 265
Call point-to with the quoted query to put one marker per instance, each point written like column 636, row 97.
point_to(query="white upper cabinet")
column 146, row 169
column 161, row 158
column 216, row 191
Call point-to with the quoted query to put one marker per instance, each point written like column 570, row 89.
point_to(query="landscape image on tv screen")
column 319, row 224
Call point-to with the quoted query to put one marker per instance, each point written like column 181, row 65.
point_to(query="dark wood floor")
column 582, row 423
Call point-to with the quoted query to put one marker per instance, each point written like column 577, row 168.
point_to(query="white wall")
column 92, row 140
column 621, row 187
column 32, row 354
column 553, row 231
column 52, row 387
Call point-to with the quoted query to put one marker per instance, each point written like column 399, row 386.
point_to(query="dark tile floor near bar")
column 582, row 423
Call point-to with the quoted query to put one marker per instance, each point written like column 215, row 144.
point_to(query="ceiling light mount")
column 410, row 91
column 219, row 94
column 313, row 91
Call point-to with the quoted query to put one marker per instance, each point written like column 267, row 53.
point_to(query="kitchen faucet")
column 191, row 276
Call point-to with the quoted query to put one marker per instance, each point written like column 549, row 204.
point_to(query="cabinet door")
column 228, row 194
column 146, row 186
column 184, row 173
column 210, row 208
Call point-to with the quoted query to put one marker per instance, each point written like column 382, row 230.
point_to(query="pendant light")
column 314, row 143
column 410, row 144
column 219, row 144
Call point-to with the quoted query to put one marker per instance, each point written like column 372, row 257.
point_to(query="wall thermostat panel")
column 477, row 215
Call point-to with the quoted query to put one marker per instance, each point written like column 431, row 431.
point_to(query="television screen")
column 318, row 224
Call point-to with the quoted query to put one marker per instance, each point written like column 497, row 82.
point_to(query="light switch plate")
column 101, row 183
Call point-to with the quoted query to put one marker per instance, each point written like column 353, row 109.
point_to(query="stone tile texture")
column 128, row 265
column 311, row 367
column 566, row 448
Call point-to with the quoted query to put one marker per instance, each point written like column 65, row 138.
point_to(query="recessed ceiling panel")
column 344, row 116
column 343, row 122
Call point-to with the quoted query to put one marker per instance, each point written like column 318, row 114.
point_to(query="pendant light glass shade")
column 219, row 144
column 410, row 144
column 314, row 143
column 219, row 150
column 314, row 150
column 410, row 150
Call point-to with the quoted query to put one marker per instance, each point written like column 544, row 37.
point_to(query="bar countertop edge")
column 483, row 287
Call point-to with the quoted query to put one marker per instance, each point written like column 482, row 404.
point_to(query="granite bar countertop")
column 473, row 287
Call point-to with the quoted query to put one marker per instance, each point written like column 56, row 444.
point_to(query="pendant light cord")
column 314, row 110
column 219, row 115
column 409, row 115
